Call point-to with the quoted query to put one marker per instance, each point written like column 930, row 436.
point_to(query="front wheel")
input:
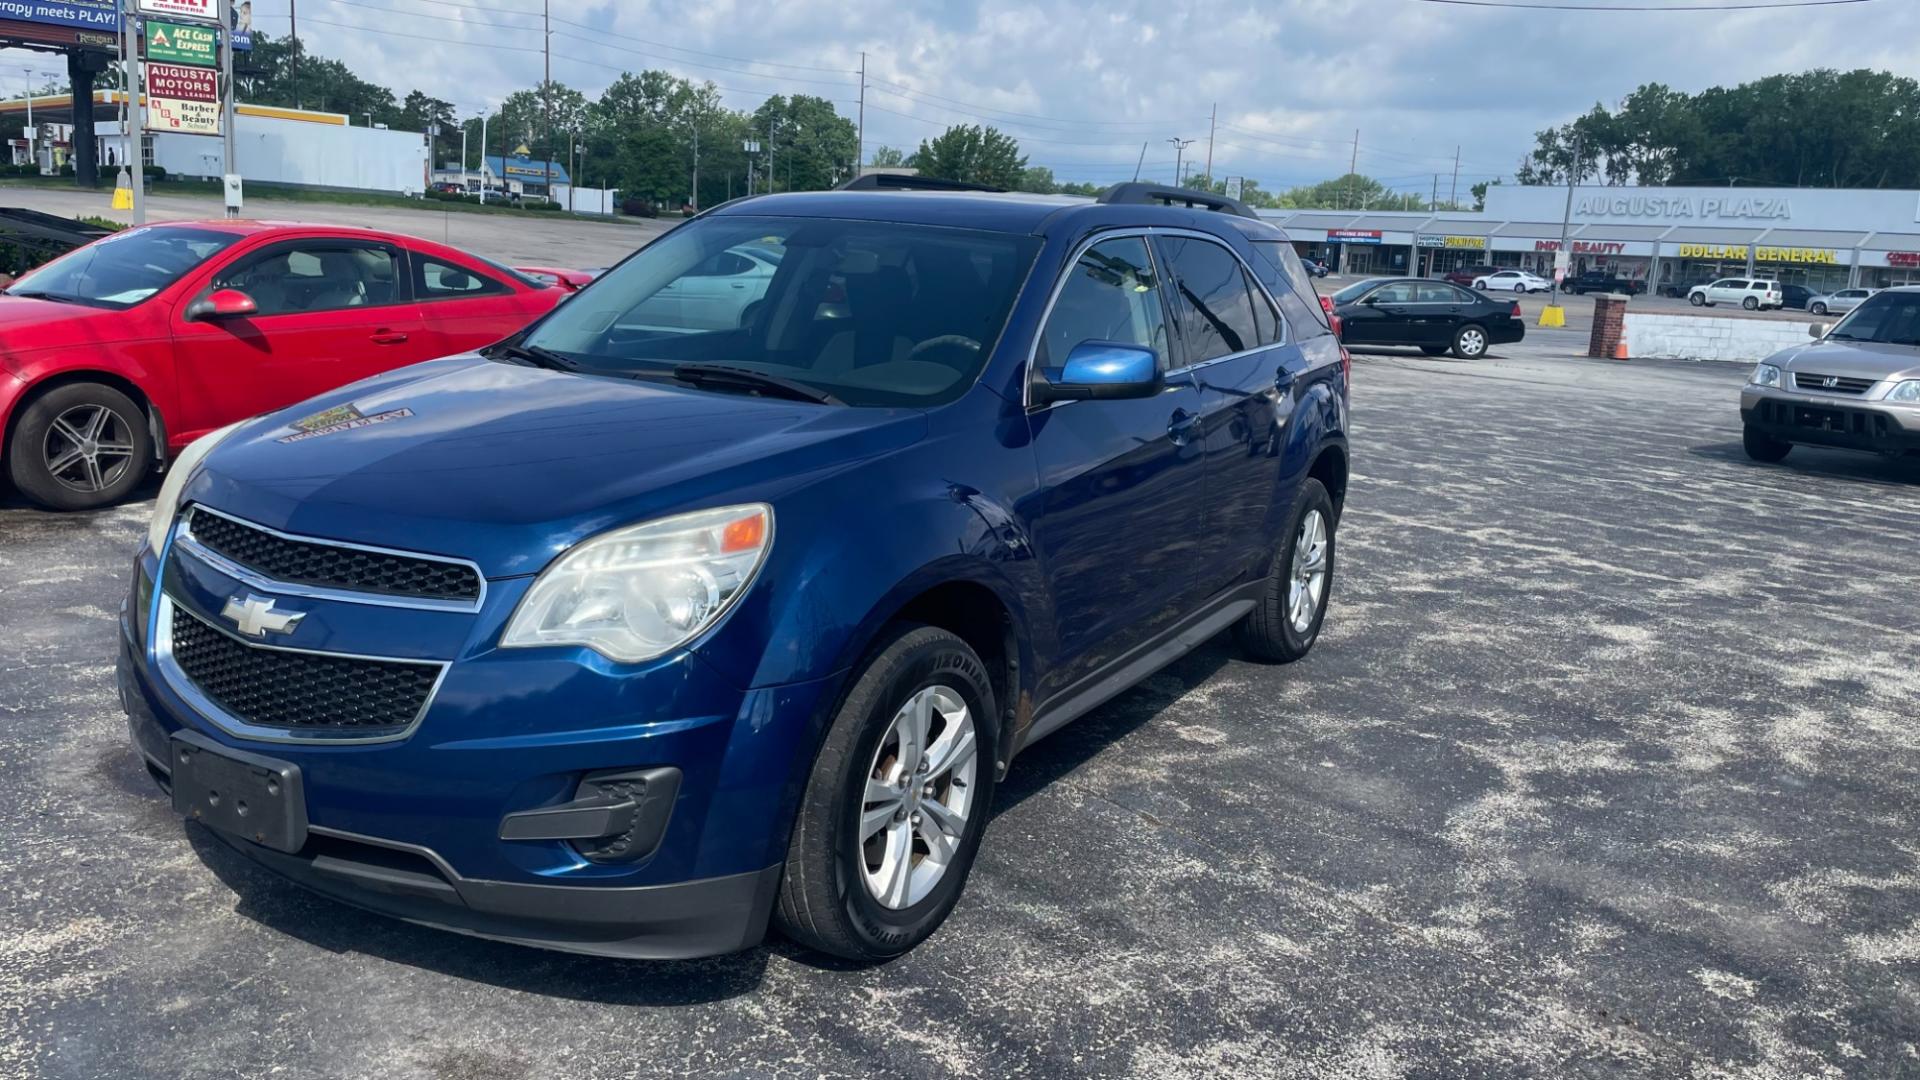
column 1520, row 288
column 1286, row 620
column 79, row 447
column 1751, row 304
column 896, row 804
column 1470, row 342
column 1761, row 446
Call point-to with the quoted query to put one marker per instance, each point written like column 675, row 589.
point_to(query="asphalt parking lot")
column 1605, row 766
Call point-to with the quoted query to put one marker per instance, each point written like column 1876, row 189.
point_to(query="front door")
column 328, row 311
column 1385, row 316
column 1116, row 514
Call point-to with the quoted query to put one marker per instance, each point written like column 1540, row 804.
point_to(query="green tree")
column 971, row 154
column 1349, row 192
column 810, row 145
column 1480, row 193
column 887, row 157
column 1037, row 179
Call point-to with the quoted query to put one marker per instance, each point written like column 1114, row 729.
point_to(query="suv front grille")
column 1832, row 384
column 332, row 566
column 301, row 692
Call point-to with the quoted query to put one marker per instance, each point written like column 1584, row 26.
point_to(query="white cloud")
column 1084, row 84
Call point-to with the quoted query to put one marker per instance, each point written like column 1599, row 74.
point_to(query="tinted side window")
column 1266, row 323
column 1433, row 292
column 316, row 275
column 1110, row 295
column 1215, row 312
column 1278, row 268
column 1399, row 292
column 436, row 280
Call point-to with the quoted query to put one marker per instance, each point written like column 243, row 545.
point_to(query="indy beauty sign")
column 182, row 99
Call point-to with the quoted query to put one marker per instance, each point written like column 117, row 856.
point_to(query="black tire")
column 825, row 902
column 1697, row 299
column 1764, row 447
column 1268, row 632
column 1520, row 288
column 1819, row 309
column 38, row 455
column 1465, row 339
column 1434, row 350
column 1751, row 304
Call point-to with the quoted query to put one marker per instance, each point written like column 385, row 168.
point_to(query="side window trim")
column 1258, row 287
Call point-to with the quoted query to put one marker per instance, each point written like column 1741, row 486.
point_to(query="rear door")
column 1439, row 306
column 329, row 310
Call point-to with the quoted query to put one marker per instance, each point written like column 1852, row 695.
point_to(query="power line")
column 1738, row 5
column 901, row 89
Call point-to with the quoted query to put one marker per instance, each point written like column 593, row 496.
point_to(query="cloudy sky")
column 1084, row 84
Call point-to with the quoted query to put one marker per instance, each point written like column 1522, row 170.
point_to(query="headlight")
column 167, row 506
column 1906, row 393
column 635, row 593
column 1765, row 375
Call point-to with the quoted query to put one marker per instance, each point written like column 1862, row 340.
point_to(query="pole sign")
column 1235, row 185
column 182, row 99
column 204, row 10
column 178, row 43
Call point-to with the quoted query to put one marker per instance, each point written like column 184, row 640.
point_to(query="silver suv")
column 1857, row 386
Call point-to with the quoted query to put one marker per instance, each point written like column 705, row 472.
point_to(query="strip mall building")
column 1670, row 237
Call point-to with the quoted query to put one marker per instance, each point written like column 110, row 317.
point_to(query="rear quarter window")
column 1278, row 268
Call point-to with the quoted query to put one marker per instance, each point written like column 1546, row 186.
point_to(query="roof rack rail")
column 1137, row 193
column 903, row 182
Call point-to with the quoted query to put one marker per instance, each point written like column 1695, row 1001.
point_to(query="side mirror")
column 1102, row 370
column 1817, row 330
column 221, row 304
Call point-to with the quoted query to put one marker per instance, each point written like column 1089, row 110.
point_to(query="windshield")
column 1355, row 291
column 121, row 270
column 871, row 312
column 1889, row 318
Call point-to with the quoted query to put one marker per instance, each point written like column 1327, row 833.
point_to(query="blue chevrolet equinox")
column 726, row 592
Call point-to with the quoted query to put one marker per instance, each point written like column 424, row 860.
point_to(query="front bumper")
column 1845, row 422
column 412, row 828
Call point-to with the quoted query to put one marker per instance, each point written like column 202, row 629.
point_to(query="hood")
column 509, row 465
column 1856, row 359
column 26, row 323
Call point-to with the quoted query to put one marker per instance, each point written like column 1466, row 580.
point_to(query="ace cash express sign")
column 182, row 99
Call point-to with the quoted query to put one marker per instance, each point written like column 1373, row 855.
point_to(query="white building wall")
column 586, row 200
column 273, row 150
column 1699, row 337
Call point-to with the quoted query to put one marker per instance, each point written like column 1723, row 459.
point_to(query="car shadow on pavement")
column 1821, row 462
column 283, row 906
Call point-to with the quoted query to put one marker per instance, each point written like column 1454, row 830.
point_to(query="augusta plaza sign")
column 183, row 99
column 1727, row 208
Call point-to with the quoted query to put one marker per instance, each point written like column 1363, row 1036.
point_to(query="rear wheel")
column 1470, row 342
column 80, row 446
column 1520, row 288
column 1751, row 303
column 897, row 802
column 1286, row 621
column 1762, row 446
column 1819, row 309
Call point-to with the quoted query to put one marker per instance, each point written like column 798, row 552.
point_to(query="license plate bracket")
column 251, row 796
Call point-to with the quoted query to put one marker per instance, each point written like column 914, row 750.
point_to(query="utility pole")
column 226, row 106
column 1142, row 161
column 1353, row 165
column 133, row 115
column 1213, row 117
column 860, row 150
column 1565, row 252
column 1453, row 193
column 1433, row 201
column 696, row 163
column 546, row 96
column 1179, row 148
column 293, row 58
column 483, row 159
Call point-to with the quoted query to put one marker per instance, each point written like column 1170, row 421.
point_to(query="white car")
column 1749, row 294
column 1835, row 303
column 718, row 294
column 1516, row 280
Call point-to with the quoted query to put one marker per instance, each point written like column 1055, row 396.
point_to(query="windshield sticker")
column 344, row 418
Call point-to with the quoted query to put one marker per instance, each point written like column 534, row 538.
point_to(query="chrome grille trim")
column 185, row 540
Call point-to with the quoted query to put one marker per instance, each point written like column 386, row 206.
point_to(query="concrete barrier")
column 1703, row 337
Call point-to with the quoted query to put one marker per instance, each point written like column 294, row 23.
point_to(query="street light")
column 752, row 147
column 483, row 159
column 1179, row 147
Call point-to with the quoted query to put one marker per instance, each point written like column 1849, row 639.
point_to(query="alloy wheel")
column 1309, row 582
column 919, row 792
column 88, row 448
column 1472, row 342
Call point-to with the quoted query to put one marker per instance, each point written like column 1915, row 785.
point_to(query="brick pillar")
column 1609, row 325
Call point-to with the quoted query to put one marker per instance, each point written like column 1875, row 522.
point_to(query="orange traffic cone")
column 1620, row 350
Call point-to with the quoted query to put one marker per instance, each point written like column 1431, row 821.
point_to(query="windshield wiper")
column 535, row 355
column 726, row 376
column 55, row 297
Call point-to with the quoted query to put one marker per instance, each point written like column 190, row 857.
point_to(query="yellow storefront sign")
column 1760, row 254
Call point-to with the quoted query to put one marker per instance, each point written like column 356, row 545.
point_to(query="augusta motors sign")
column 1729, row 208
column 183, row 99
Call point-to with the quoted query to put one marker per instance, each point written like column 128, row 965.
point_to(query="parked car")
column 719, row 294
column 1749, row 294
column 571, row 280
column 1856, row 387
column 1839, row 302
column 1512, row 281
column 1314, row 267
column 1796, row 297
column 1680, row 289
column 1593, row 281
column 447, row 187
column 1434, row 316
column 626, row 639
column 125, row 350
column 1464, row 276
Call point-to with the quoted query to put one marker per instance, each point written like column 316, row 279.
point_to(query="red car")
column 119, row 353
column 572, row 280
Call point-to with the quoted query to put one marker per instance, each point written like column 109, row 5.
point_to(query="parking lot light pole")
column 1179, row 147
column 1554, row 315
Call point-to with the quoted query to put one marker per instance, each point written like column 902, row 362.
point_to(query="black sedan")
column 1434, row 316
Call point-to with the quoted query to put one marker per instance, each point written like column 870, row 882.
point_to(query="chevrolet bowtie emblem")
column 255, row 616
